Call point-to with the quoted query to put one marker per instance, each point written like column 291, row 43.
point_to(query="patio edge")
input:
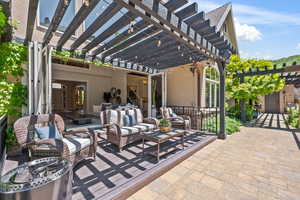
column 126, row 190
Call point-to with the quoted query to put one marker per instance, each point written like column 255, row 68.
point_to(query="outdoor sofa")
column 178, row 121
column 75, row 145
column 122, row 134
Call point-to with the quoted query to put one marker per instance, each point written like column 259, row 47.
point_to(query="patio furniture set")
column 45, row 135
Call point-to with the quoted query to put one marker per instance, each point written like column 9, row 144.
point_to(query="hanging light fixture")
column 190, row 58
column 182, row 54
column 158, row 43
column 178, row 47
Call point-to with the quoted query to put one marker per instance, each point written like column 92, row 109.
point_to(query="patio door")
column 157, row 93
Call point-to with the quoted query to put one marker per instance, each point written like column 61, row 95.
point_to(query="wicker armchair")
column 121, row 135
column 75, row 145
column 178, row 121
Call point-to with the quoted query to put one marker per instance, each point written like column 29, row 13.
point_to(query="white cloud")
column 298, row 46
column 246, row 32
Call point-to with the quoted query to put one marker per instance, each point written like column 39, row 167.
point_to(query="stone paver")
column 257, row 163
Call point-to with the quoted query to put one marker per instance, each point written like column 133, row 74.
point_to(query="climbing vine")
column 13, row 93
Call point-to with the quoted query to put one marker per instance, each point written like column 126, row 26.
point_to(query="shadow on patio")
column 276, row 121
column 113, row 171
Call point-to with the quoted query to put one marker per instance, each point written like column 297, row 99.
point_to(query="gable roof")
column 218, row 16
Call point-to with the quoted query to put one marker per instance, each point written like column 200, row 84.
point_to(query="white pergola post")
column 39, row 79
column 48, row 81
column 149, row 95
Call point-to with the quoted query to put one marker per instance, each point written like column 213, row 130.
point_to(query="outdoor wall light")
column 158, row 43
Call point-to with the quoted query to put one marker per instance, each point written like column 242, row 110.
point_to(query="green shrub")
column 293, row 117
column 234, row 111
column 232, row 125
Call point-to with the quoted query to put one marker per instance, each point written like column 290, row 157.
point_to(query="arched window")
column 212, row 87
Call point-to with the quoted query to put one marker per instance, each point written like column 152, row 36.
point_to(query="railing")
column 3, row 126
column 206, row 119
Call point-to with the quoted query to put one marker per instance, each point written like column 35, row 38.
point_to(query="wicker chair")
column 121, row 135
column 181, row 122
column 75, row 145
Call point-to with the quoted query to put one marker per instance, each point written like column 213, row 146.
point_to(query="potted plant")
column 165, row 125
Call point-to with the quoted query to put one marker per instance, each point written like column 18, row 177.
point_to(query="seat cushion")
column 128, row 130
column 145, row 126
column 75, row 144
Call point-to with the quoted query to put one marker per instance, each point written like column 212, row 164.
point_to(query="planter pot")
column 165, row 128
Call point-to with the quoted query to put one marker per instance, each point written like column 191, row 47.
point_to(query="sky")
column 266, row 29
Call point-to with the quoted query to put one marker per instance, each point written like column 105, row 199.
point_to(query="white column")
column 166, row 88
column 48, row 81
column 30, row 102
column 149, row 96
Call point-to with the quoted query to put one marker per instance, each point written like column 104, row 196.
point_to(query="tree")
column 253, row 86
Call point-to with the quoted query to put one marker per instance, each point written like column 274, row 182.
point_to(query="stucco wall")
column 98, row 79
column 181, row 87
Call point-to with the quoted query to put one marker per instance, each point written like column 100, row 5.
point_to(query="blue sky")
column 268, row 29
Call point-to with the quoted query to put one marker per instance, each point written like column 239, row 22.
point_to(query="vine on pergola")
column 252, row 86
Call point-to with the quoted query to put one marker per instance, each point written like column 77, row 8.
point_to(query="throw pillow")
column 47, row 132
column 132, row 120
column 174, row 115
column 126, row 120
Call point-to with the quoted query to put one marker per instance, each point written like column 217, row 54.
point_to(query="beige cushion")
column 139, row 116
column 75, row 144
column 126, row 130
column 145, row 127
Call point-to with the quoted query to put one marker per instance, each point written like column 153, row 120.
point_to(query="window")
column 212, row 87
column 47, row 9
column 225, row 28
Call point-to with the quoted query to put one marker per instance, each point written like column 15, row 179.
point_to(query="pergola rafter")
column 164, row 38
column 32, row 9
column 86, row 8
column 110, row 11
column 58, row 16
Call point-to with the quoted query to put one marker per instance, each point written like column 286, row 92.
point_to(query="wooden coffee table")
column 163, row 141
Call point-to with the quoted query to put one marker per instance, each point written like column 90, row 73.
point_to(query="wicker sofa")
column 181, row 122
column 121, row 135
column 75, row 145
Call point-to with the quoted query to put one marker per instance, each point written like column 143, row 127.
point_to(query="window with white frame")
column 212, row 87
column 47, row 9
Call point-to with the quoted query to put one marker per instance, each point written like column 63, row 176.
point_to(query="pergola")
column 157, row 35
column 290, row 74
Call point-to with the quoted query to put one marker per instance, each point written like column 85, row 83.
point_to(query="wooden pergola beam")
column 173, row 5
column 259, row 72
column 148, row 32
column 57, row 17
column 120, row 23
column 32, row 12
column 146, row 47
column 187, row 11
column 107, row 14
column 143, row 46
column 123, row 36
column 80, row 16
column 196, row 19
column 169, row 26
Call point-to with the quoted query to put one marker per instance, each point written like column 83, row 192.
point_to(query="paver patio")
column 257, row 163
